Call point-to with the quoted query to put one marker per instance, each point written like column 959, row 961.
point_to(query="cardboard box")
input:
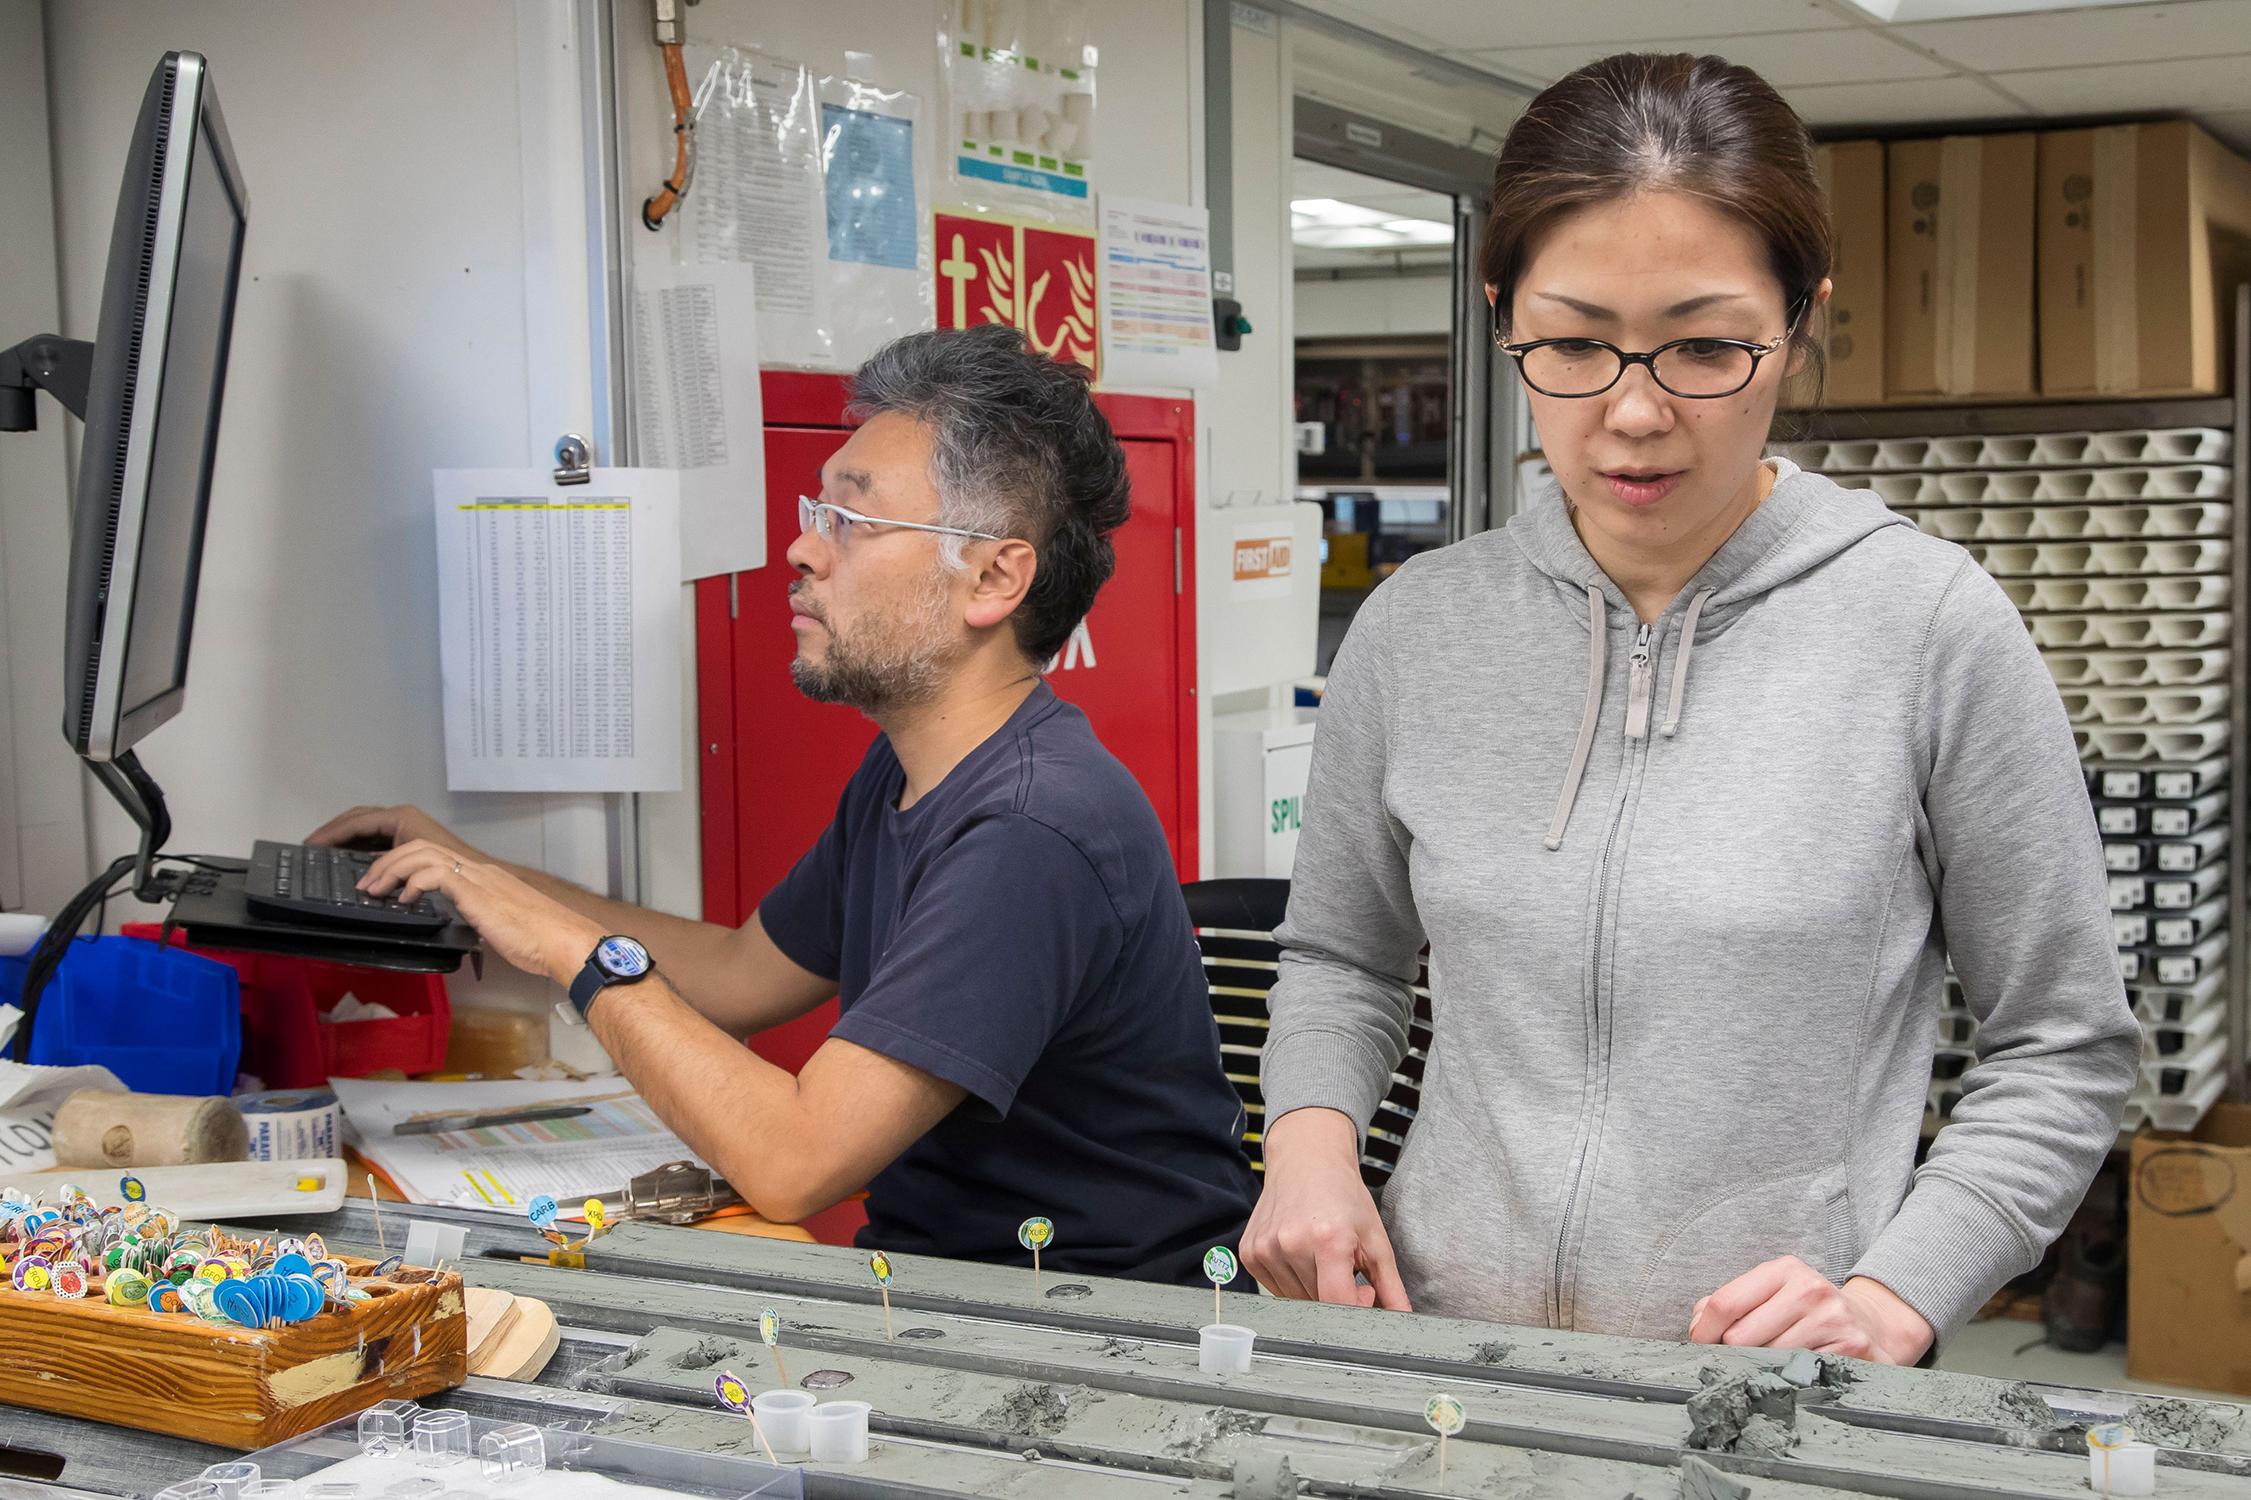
column 1958, row 267
column 2188, row 1276
column 1852, row 180
column 2145, row 230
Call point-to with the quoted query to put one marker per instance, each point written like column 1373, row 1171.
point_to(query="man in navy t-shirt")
column 1025, row 1027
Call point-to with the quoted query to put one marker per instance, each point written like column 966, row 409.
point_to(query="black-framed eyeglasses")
column 1699, row 369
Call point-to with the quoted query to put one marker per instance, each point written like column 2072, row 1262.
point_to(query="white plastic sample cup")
column 2122, row 1469
column 1224, row 1349
column 782, row 1416
column 441, row 1438
column 512, row 1451
column 839, row 1432
column 233, row 1478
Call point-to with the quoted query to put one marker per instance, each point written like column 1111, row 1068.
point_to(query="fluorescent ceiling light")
column 1392, row 234
column 1331, row 211
column 1955, row 10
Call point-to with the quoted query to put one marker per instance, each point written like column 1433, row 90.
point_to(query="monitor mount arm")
column 62, row 366
column 143, row 800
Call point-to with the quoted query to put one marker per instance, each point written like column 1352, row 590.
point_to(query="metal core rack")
column 2122, row 531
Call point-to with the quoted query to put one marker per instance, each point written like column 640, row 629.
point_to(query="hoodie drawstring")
column 1680, row 664
column 1598, row 630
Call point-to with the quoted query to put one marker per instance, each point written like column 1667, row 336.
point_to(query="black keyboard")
column 308, row 883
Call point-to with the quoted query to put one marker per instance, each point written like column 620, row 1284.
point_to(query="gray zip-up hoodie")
column 1689, row 892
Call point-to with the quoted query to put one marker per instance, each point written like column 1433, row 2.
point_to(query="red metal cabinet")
column 774, row 763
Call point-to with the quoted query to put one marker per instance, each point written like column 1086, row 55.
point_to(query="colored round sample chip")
column 1219, row 1265
column 1444, row 1414
column 1036, row 1234
column 733, row 1394
column 541, row 1211
column 880, row 1265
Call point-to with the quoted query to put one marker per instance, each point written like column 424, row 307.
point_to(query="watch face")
column 622, row 958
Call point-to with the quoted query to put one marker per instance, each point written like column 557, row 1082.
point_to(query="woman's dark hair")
column 1642, row 121
column 1017, row 449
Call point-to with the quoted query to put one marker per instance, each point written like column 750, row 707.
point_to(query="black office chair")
column 1235, row 922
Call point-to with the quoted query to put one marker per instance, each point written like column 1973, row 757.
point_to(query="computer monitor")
column 159, row 366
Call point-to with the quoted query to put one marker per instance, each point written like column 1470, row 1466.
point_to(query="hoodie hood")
column 1804, row 522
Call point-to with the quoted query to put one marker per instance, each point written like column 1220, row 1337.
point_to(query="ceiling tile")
column 2215, row 83
column 2232, row 126
column 1911, row 101
column 1473, row 25
column 2122, row 33
column 1785, row 59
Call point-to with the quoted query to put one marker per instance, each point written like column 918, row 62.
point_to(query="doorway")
column 1374, row 263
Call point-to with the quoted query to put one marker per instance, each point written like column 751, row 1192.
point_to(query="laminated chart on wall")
column 697, row 407
column 1155, row 281
column 1019, row 97
column 875, row 284
column 559, row 630
column 757, row 195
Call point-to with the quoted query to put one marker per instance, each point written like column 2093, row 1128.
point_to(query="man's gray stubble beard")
column 908, row 665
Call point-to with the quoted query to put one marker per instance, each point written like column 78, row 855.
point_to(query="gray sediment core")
column 1108, row 1383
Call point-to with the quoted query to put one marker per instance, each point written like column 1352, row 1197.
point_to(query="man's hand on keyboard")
column 400, row 825
column 529, row 929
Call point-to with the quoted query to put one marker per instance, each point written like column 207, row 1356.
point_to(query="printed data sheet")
column 559, row 630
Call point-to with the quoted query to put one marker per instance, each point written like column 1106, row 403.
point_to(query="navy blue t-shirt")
column 1019, row 932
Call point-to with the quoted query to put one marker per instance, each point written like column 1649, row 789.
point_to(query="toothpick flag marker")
column 1445, row 1416
column 1033, row 1234
column 735, row 1396
column 770, row 1329
column 879, row 1265
column 1219, row 1265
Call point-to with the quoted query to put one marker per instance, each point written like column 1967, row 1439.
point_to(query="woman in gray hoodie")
column 1692, row 778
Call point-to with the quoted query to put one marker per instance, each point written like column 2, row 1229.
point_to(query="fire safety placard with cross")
column 1033, row 276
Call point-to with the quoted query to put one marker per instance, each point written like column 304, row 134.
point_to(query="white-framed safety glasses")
column 834, row 523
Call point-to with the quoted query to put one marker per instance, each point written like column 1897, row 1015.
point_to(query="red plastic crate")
column 284, row 1043
column 414, row 1043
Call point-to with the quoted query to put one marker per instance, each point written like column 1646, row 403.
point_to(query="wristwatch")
column 615, row 960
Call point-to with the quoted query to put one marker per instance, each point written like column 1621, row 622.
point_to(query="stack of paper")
column 503, row 1167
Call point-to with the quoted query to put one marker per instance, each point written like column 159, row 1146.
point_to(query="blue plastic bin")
column 163, row 1020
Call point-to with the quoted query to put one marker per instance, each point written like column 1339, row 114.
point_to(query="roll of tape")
column 291, row 1124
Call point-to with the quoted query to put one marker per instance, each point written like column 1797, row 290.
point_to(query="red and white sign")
column 1261, row 562
column 1037, row 277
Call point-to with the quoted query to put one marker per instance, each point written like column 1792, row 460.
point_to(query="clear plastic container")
column 782, row 1417
column 512, row 1452
column 233, row 1478
column 441, row 1438
column 381, row 1431
column 838, row 1432
column 329, row 1464
column 1224, row 1349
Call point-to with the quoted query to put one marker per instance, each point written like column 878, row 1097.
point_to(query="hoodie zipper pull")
column 1637, row 697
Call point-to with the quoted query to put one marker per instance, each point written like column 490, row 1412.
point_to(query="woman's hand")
column 1316, row 1226
column 1787, row 1304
